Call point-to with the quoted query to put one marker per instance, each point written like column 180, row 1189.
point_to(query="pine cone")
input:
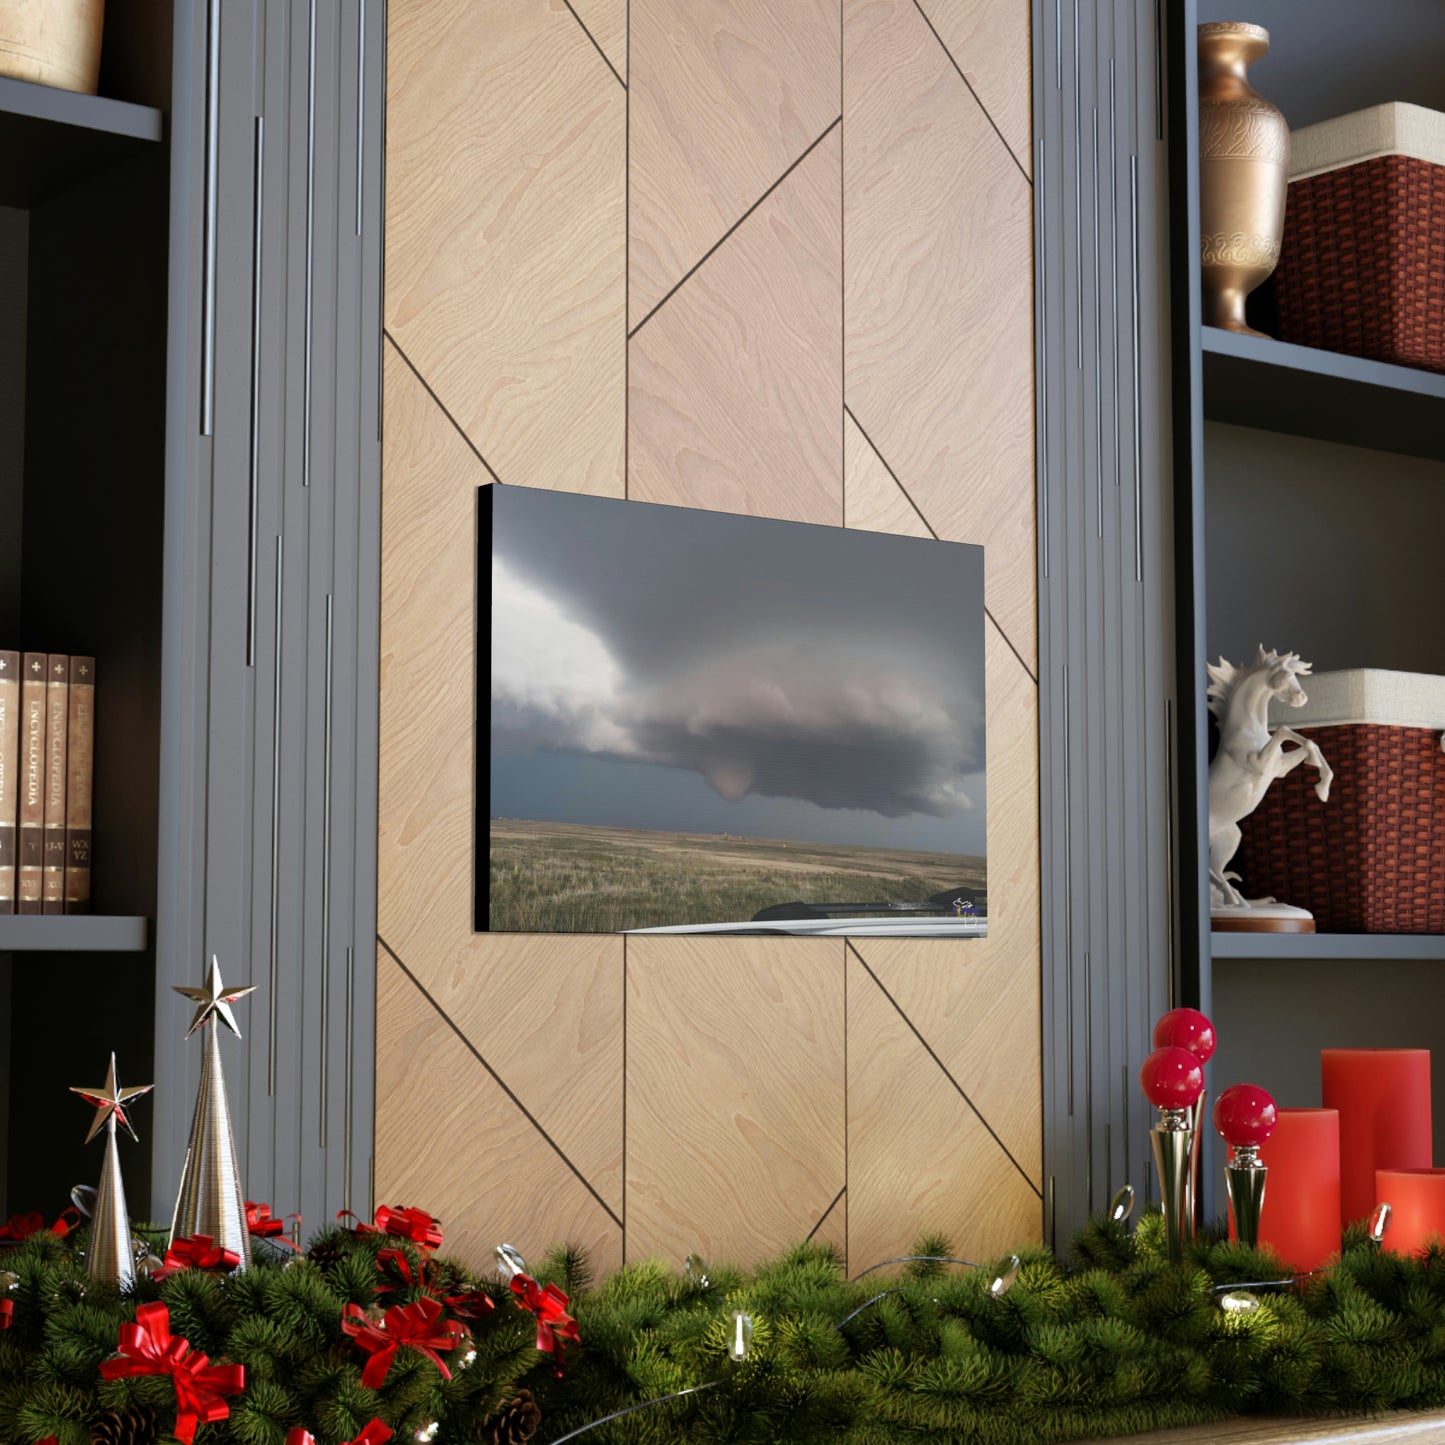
column 135, row 1425
column 328, row 1250
column 515, row 1423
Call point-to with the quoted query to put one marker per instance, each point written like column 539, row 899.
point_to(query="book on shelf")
column 47, row 761
column 9, row 774
column 32, row 784
column 80, row 762
column 57, row 728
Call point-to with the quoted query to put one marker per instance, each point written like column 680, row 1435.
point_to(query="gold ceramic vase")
column 1243, row 172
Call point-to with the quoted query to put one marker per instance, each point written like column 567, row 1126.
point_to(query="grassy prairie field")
column 565, row 877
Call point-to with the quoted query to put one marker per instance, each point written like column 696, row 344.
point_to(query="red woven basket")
column 1362, row 263
column 1371, row 859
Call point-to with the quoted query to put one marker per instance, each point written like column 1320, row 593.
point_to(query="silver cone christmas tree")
column 211, row 1200
column 110, row 1256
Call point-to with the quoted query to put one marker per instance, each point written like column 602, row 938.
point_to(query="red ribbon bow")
column 471, row 1304
column 147, row 1347
column 467, row 1305
column 20, row 1227
column 197, row 1251
column 402, row 1265
column 415, row 1324
column 413, row 1224
column 7, row 1313
column 554, row 1325
column 265, row 1225
column 376, row 1433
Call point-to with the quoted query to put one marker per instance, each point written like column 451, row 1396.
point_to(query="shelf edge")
column 73, row 933
column 85, row 112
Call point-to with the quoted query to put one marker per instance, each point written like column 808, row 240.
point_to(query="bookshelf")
column 1311, row 497
column 190, row 391
column 52, row 139
column 1302, row 947
column 84, row 274
column 1256, row 381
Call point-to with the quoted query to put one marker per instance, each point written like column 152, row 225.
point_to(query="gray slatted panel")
column 1195, row 981
column 361, row 782
column 1189, row 473
column 181, row 821
column 1106, row 642
column 247, row 800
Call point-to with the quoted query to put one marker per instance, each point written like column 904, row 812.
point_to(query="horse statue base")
column 1261, row 918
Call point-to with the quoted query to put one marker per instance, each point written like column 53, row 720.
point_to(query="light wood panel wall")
column 760, row 258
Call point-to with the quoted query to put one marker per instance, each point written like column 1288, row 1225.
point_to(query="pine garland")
column 1119, row 1342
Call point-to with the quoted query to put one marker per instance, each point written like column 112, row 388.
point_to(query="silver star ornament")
column 110, row 1100
column 213, row 997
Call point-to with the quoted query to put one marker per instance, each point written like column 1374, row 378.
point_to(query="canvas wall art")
column 692, row 721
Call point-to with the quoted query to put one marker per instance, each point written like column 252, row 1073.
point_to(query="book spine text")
column 57, row 726
column 31, row 863
column 80, row 766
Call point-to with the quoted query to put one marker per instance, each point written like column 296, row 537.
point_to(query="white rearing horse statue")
column 1250, row 757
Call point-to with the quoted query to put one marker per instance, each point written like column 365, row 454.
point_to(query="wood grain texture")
column 735, row 1110
column 938, row 297
column 991, row 42
column 736, row 383
column 977, row 1002
column 745, row 1108
column 918, row 1158
column 1398, row 1427
column 476, row 1161
column 428, row 599
column 506, row 219
column 872, row 499
column 606, row 21
column 546, row 1014
column 726, row 95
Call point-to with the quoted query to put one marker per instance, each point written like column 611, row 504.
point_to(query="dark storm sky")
column 661, row 667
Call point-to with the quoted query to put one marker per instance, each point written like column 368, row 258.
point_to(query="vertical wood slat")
column 1106, row 662
column 242, row 847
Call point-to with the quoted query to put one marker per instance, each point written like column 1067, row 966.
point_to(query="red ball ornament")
column 1245, row 1115
column 1186, row 1028
column 1172, row 1078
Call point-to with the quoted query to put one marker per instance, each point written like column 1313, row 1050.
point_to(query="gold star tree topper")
column 213, row 997
column 110, row 1101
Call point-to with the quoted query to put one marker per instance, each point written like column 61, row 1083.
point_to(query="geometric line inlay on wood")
column 852, row 948
column 500, row 1082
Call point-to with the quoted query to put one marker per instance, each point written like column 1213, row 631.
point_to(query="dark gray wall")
column 1326, row 550
column 1274, row 1018
column 14, row 235
column 1393, row 53
column 1108, row 727
column 268, row 796
column 14, row 272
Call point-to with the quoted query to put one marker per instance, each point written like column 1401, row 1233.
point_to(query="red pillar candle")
column 1417, row 1203
column 1383, row 1096
column 1300, row 1220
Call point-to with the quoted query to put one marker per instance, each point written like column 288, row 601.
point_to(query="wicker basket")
column 1371, row 859
column 1362, row 264
column 52, row 42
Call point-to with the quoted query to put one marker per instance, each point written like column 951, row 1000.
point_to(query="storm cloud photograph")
column 705, row 722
